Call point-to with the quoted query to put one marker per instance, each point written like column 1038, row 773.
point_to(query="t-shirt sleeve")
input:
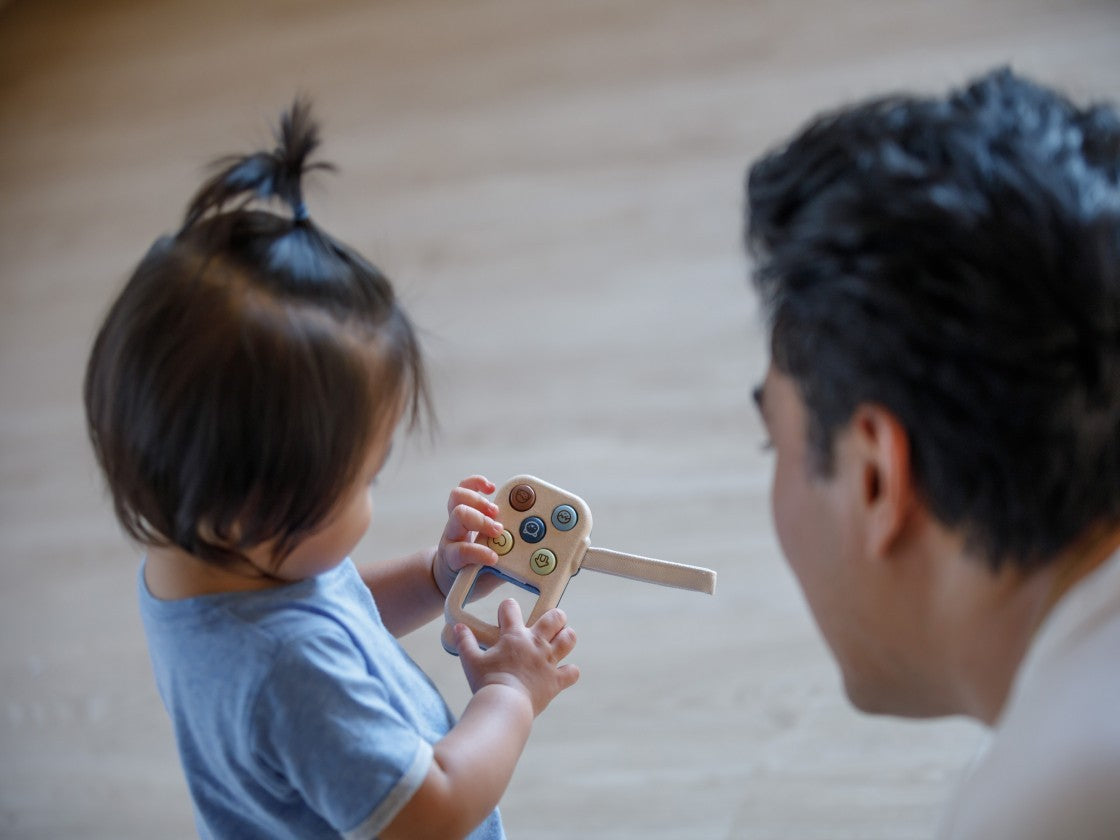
column 327, row 730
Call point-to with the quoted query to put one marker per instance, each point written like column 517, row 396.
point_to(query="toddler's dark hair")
column 241, row 375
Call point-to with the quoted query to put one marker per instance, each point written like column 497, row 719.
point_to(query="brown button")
column 522, row 497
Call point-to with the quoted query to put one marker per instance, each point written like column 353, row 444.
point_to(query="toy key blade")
column 648, row 570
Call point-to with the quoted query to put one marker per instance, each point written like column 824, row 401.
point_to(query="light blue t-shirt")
column 296, row 712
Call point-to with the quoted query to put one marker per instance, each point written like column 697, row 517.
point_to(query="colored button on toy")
column 501, row 543
column 522, row 497
column 543, row 561
column 532, row 529
column 564, row 517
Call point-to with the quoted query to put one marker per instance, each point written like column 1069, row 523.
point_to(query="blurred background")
column 556, row 190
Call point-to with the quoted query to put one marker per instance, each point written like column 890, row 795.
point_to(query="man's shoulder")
column 1036, row 795
column 1052, row 768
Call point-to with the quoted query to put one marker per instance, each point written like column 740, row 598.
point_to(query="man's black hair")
column 957, row 260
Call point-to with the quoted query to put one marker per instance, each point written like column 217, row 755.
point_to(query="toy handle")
column 454, row 610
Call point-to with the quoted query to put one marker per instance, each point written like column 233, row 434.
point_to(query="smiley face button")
column 564, row 517
column 532, row 529
column 522, row 497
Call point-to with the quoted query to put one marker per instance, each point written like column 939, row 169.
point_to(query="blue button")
column 532, row 529
column 564, row 517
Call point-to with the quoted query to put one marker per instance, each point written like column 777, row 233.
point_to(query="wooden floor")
column 556, row 189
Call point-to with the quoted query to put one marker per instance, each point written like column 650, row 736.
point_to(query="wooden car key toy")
column 546, row 542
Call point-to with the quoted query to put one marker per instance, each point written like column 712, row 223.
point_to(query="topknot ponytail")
column 265, row 175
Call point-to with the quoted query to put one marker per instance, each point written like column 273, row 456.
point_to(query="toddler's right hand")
column 470, row 519
column 525, row 658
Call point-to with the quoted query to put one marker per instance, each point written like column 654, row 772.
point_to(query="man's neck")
column 994, row 618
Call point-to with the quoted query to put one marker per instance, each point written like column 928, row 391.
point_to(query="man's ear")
column 886, row 490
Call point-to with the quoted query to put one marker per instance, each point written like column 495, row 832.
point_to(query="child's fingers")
column 549, row 624
column 479, row 483
column 564, row 643
column 468, row 646
column 459, row 554
column 509, row 615
column 473, row 493
column 465, row 520
column 568, row 675
column 470, row 512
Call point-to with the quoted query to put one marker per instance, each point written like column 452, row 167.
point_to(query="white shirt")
column 1052, row 769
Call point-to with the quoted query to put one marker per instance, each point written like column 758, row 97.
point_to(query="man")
column 942, row 283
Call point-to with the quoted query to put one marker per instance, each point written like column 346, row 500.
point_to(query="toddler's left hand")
column 469, row 515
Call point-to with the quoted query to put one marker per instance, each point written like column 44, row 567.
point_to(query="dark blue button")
column 532, row 529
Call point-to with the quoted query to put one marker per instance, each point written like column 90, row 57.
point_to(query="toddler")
column 241, row 396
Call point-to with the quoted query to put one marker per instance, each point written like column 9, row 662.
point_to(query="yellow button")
column 543, row 561
column 502, row 544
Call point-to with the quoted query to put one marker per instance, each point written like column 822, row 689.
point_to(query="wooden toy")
column 547, row 542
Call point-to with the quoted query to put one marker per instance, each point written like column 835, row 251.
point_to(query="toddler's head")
column 247, row 367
